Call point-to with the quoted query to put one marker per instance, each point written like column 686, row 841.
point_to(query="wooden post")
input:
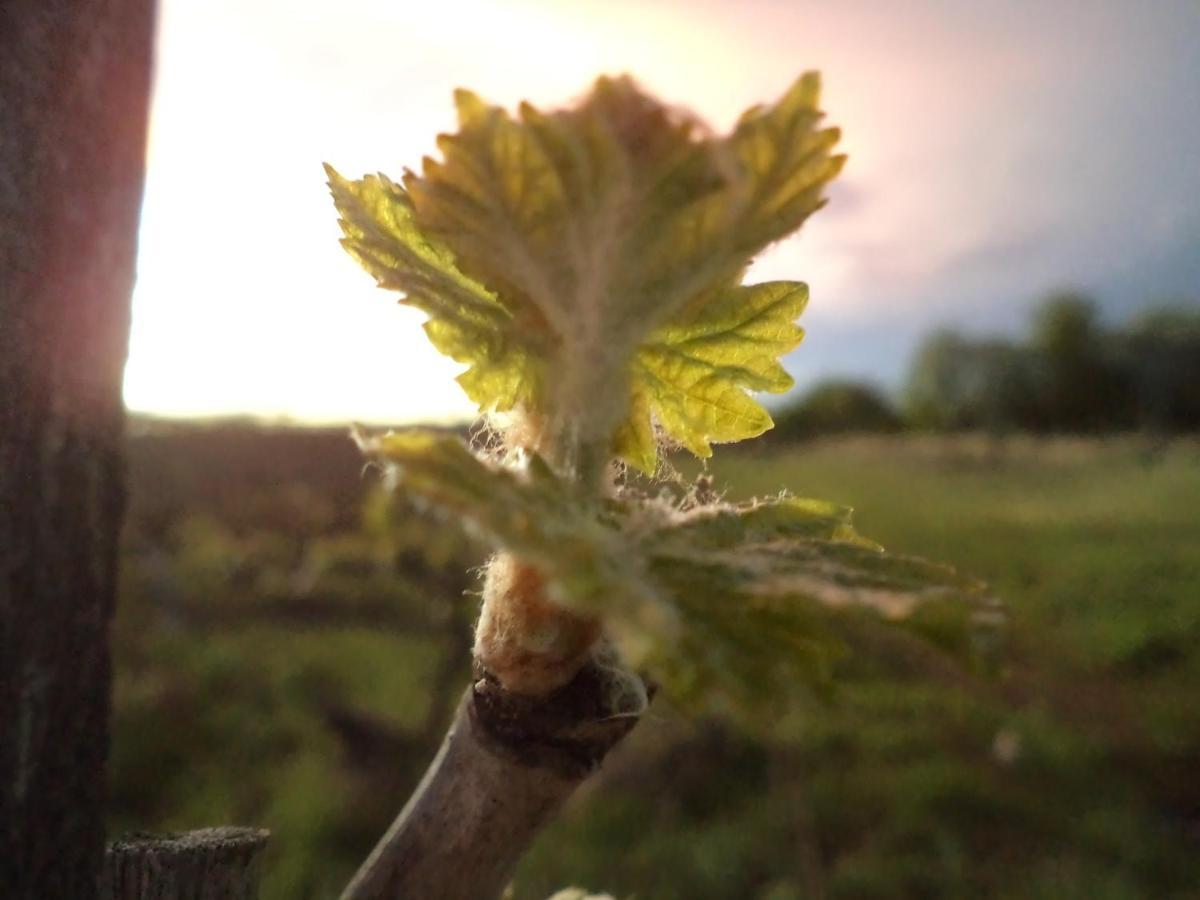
column 74, row 93
column 212, row 864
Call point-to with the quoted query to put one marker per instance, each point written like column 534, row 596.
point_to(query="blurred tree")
column 836, row 407
column 956, row 384
column 1073, row 375
column 935, row 395
column 1159, row 354
column 1079, row 388
column 74, row 88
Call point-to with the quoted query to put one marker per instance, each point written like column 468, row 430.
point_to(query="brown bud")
column 529, row 643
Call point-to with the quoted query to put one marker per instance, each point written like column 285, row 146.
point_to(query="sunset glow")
column 246, row 304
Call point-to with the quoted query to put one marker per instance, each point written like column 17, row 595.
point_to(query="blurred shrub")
column 286, row 655
column 957, row 384
column 1159, row 355
column 835, row 407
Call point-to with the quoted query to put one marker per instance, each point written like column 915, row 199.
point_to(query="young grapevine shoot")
column 586, row 267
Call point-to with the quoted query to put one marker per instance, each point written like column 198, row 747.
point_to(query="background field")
column 289, row 648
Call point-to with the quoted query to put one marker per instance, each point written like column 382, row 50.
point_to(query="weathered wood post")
column 212, row 864
column 74, row 92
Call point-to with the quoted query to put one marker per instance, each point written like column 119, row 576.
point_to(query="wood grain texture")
column 74, row 89
column 210, row 864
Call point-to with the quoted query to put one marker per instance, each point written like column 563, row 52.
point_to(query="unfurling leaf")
column 466, row 320
column 530, row 512
column 691, row 376
column 585, row 264
column 717, row 599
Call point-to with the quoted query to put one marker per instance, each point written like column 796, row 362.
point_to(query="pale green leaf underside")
column 692, row 376
column 603, row 245
column 467, row 322
column 723, row 595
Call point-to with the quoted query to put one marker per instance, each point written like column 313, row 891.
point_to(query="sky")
column 998, row 152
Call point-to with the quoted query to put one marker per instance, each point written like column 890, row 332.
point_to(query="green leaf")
column 721, row 526
column 528, row 511
column 717, row 600
column 692, row 375
column 788, row 160
column 603, row 246
column 467, row 322
column 762, row 586
column 778, row 162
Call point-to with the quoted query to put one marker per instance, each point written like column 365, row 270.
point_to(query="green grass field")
column 1095, row 546
column 1073, row 771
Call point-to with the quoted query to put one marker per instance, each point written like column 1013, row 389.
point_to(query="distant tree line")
column 1070, row 375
